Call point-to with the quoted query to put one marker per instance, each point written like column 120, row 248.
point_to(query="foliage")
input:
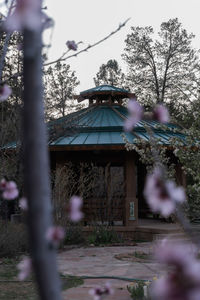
column 110, row 73
column 69, row 281
column 136, row 291
column 60, row 84
column 10, row 116
column 189, row 155
column 163, row 69
column 74, row 235
column 103, row 235
column 144, row 150
column 10, row 111
column 8, row 269
column 13, row 239
column 26, row 290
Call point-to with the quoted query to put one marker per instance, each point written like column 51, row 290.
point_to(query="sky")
column 91, row 20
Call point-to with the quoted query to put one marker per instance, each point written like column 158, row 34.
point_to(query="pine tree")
column 60, row 84
column 110, row 73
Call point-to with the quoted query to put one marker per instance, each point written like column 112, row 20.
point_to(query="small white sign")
column 132, row 211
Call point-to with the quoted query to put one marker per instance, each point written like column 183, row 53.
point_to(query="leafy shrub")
column 13, row 239
column 136, row 291
column 74, row 235
column 103, row 235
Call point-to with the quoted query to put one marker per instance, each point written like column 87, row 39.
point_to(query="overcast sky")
column 91, row 20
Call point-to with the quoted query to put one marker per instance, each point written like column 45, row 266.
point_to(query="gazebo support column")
column 131, row 202
column 180, row 175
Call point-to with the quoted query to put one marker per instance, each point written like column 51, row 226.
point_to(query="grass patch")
column 136, row 256
column 13, row 239
column 141, row 255
column 8, row 269
column 69, row 281
column 18, row 291
column 103, row 235
column 25, row 290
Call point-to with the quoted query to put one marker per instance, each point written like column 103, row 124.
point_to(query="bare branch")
column 62, row 58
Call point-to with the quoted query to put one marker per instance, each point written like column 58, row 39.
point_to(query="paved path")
column 101, row 261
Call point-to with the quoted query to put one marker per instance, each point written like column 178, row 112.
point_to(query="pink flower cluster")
column 25, row 268
column 72, row 45
column 162, row 195
column 161, row 114
column 9, row 189
column 55, row 234
column 135, row 114
column 5, row 92
column 183, row 280
column 27, row 15
column 75, row 213
column 23, row 204
column 100, row 291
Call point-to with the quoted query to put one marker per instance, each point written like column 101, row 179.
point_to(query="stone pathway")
column 101, row 261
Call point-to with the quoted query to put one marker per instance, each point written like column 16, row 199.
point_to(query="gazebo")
column 95, row 135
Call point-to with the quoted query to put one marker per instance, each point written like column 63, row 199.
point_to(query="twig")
column 62, row 58
column 73, row 55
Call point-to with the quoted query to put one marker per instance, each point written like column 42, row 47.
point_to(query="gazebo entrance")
column 105, row 203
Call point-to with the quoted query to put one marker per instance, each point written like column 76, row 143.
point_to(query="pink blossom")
column 100, row 291
column 3, row 184
column 27, row 15
column 162, row 195
column 23, row 204
column 9, row 189
column 5, row 92
column 135, row 114
column 161, row 114
column 55, row 235
column 47, row 22
column 19, row 47
column 183, row 280
column 72, row 45
column 75, row 213
column 25, row 268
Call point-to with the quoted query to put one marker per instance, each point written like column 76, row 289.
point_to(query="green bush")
column 13, row 239
column 137, row 291
column 74, row 235
column 103, row 235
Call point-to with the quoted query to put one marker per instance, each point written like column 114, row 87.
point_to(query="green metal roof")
column 103, row 125
column 104, row 92
column 105, row 88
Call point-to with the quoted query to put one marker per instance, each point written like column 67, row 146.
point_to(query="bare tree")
column 164, row 69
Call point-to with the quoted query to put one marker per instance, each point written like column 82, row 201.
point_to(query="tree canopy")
column 110, row 73
column 60, row 85
column 162, row 67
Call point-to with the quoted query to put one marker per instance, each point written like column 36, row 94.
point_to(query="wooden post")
column 180, row 175
column 131, row 202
